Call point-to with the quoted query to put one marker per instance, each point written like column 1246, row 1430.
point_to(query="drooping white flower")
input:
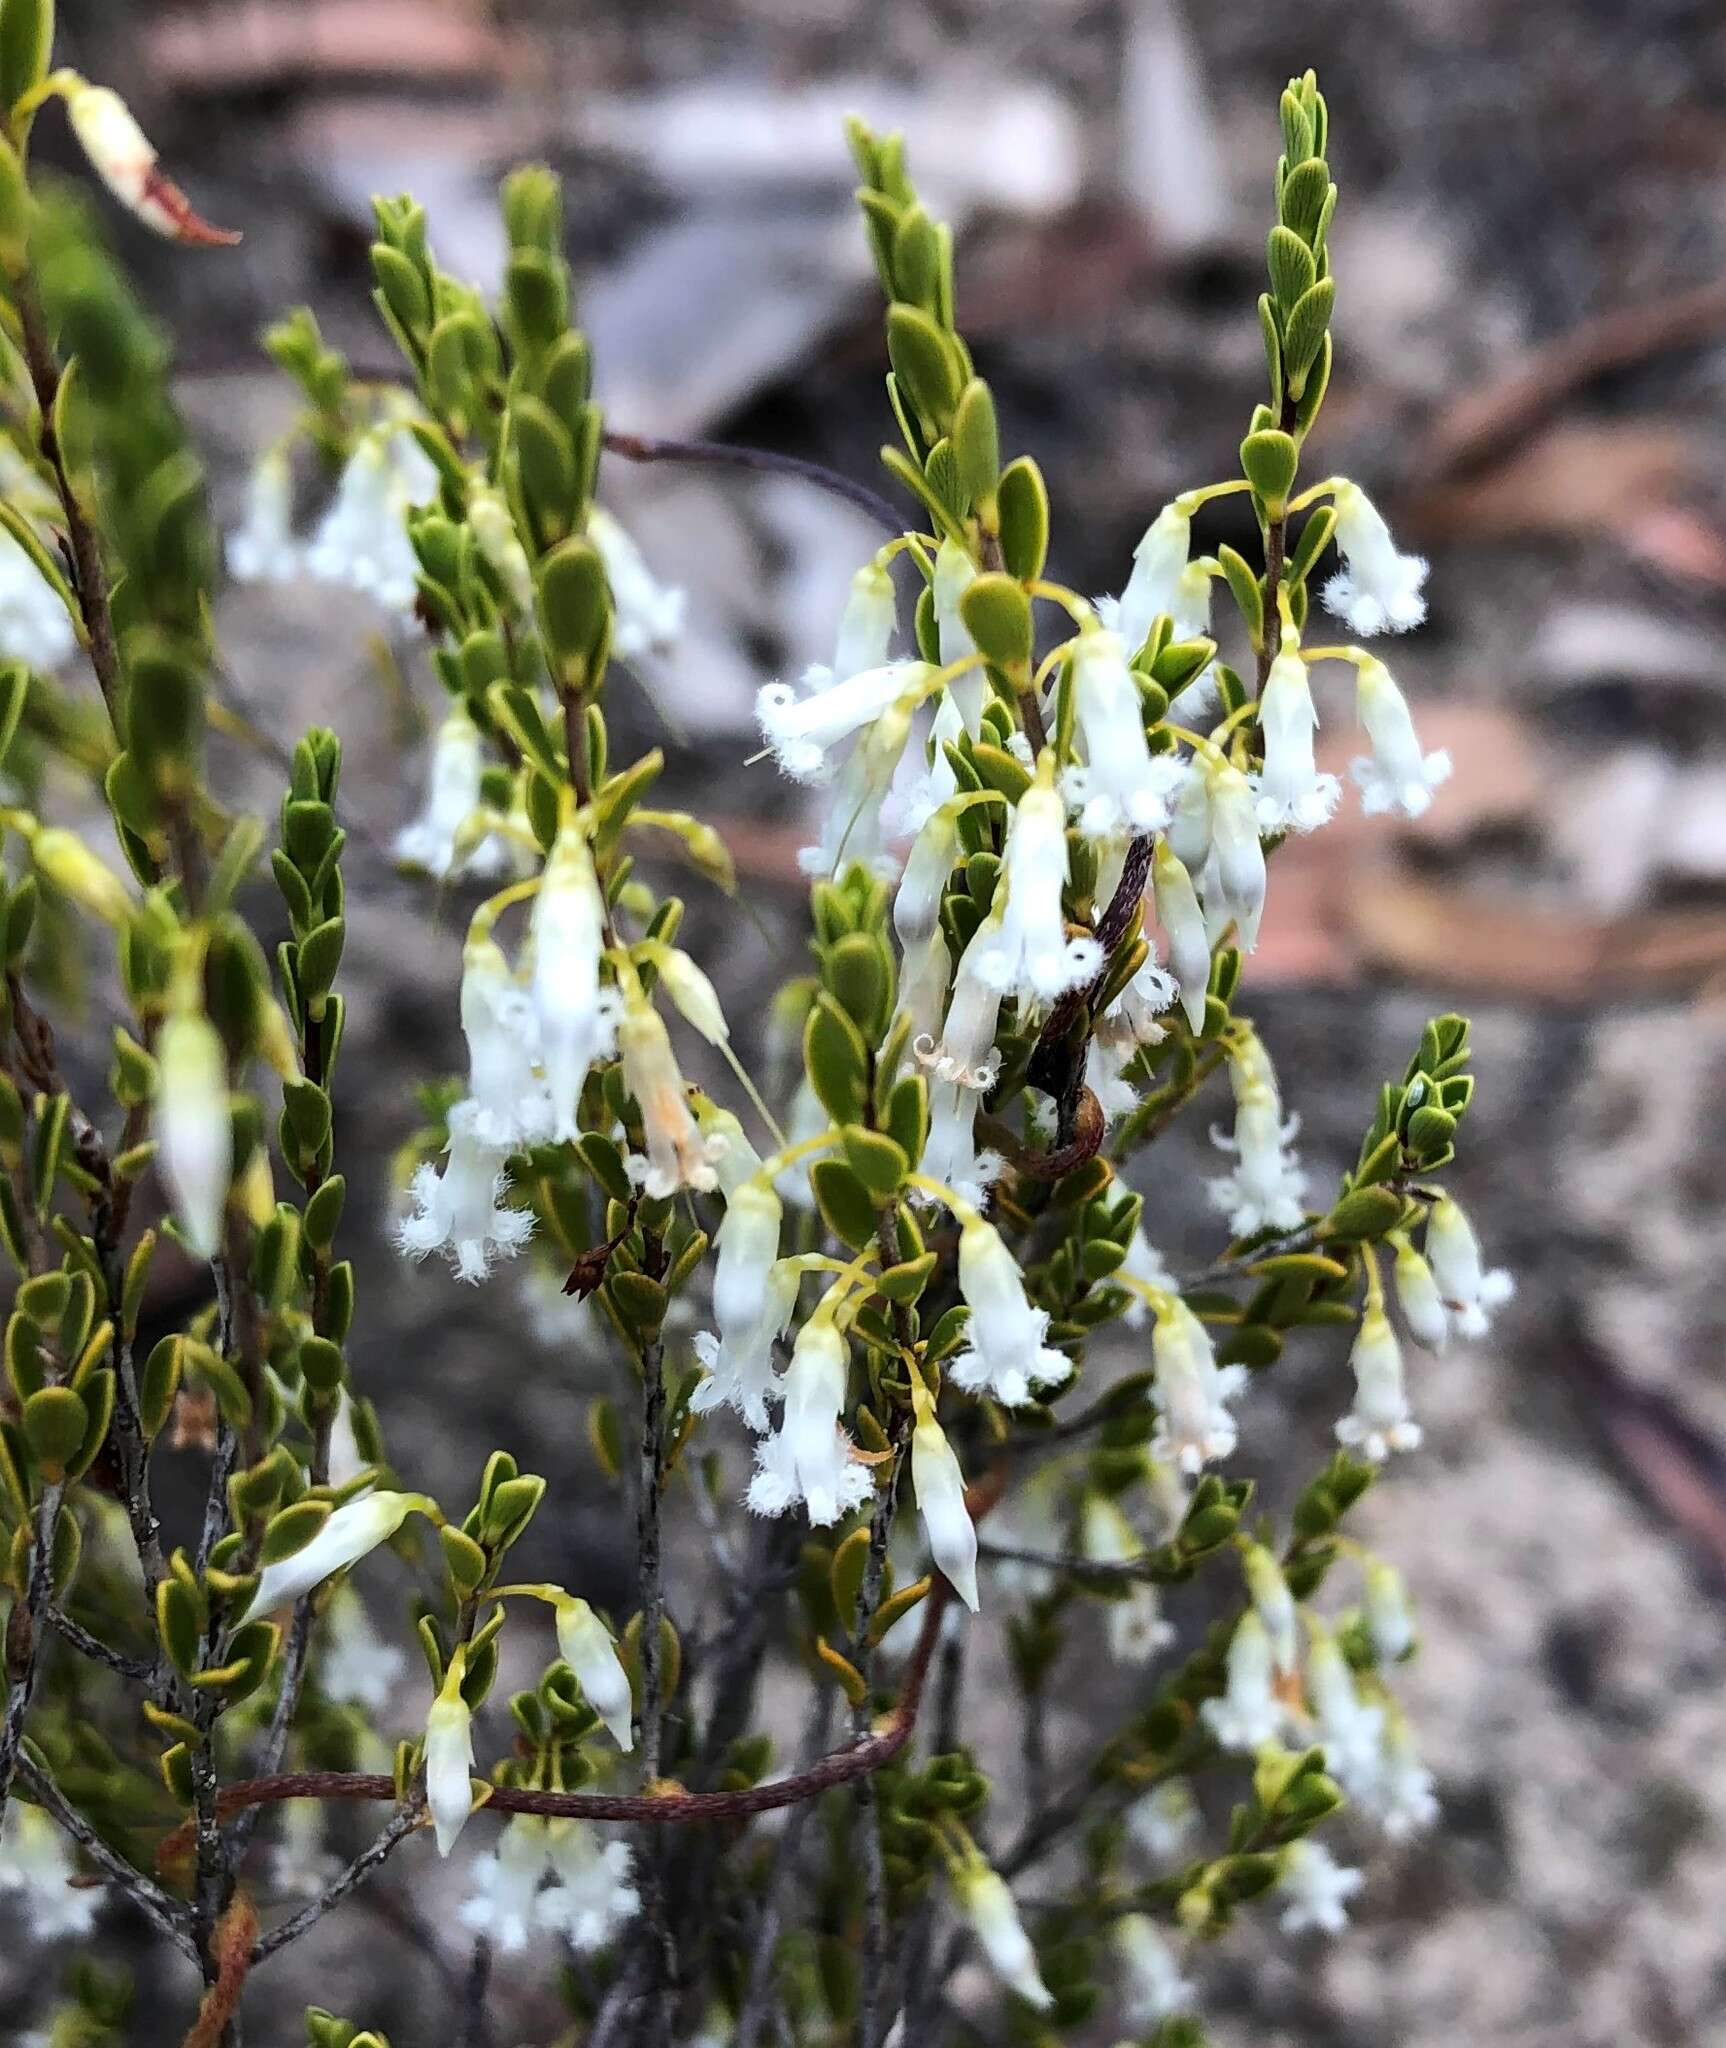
column 1121, row 786
column 35, row 627
column 498, row 1021
column 1162, row 580
column 362, row 540
column 965, row 1055
column 1249, row 1714
column 808, row 1119
column 501, row 1904
column 678, row 1156
column 805, row 732
column 1183, row 923
column 1032, row 957
column 357, row 1666
column 865, row 636
column 1194, row 1425
column 753, row 1297
column 1389, row 1618
column 1164, row 1822
column 347, row 1461
column 1470, row 1293
column 857, row 826
column 1005, row 1356
column 448, row 838
column 1418, row 1297
column 808, row 1459
column 1170, row 1492
column 1380, row 590
column 449, row 1758
column 955, row 572
column 460, row 1210
column 1292, row 795
column 493, row 527
column 1137, row 1630
column 1189, row 827
column 1350, row 1729
column 1380, row 1420
column 939, row 1484
column 928, row 868
column 1317, row 1889
column 262, row 548
column 1027, row 1519
column 352, row 1531
column 301, row 1862
column 591, row 1897
column 577, row 1018
column 646, row 615
column 982, row 1896
column 1274, row 1605
column 194, row 1130
column 1152, row 1987
column 1264, row 1188
column 36, row 1862
column 918, row 801
column 587, row 1646
column 1122, row 1032
column 1397, row 776
column 1233, row 881
column 1402, row 1798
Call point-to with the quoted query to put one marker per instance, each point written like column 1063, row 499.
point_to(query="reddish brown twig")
column 231, row 1952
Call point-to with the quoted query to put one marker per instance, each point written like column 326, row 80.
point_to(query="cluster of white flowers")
column 588, row 1900
column 1264, row 1190
column 35, row 627
column 36, row 1863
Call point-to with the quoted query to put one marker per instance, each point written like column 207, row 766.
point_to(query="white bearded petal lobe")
column 501, row 1905
column 1121, row 786
column 460, row 1211
column 1397, row 775
column 1317, row 1889
column 1194, row 1425
column 1006, row 1357
column 1249, row 1714
column 1380, row 1420
column 808, row 1460
column 647, row 615
column 1292, row 794
column 1033, row 957
column 592, row 1897
column 1381, row 589
column 803, row 732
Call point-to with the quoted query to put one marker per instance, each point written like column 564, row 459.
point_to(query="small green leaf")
column 1023, row 502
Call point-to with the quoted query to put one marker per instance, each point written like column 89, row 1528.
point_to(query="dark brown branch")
column 763, row 461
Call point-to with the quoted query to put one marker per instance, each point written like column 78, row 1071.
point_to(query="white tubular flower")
column 1033, row 958
column 1146, row 1264
column 950, row 1153
column 587, row 1646
column 928, row 867
column 1470, row 1294
column 1163, row 580
column 1183, row 922
column 753, row 1297
column 1137, row 1630
column 1249, row 1714
column 678, row 1156
column 1194, row 1425
column 1274, row 1605
column 1028, row 1519
column 362, row 540
column 442, row 840
column 1152, row 1987
column 1125, row 1028
column 122, row 156
column 347, row 1461
column 1292, row 795
column 591, row 1897
column 1005, row 1356
column 1421, row 1303
column 489, row 516
column 939, row 1485
column 646, row 615
column 1380, row 590
column 34, row 625
column 1389, row 1618
column 1189, row 829
column 809, row 1459
column 865, row 635
column 501, row 1905
column 735, row 1159
column 982, row 1896
column 804, row 732
column 262, row 548
column 966, row 1056
column 857, row 826
column 577, row 1018
column 925, row 977
column 497, row 1019
column 1317, row 1889
column 1350, row 1729
column 1121, row 787
column 1397, row 776
column 1380, row 1420
column 936, row 787
column 357, row 1667
column 1171, row 1495
column 1402, row 1799
column 1237, row 860
column 354, row 1530
column 36, row 1862
column 1164, row 1823
column 1264, row 1189
column 449, row 1758
column 194, row 1132
column 955, row 572
column 461, row 1211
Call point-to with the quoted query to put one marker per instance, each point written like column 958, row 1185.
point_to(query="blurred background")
column 1531, row 379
